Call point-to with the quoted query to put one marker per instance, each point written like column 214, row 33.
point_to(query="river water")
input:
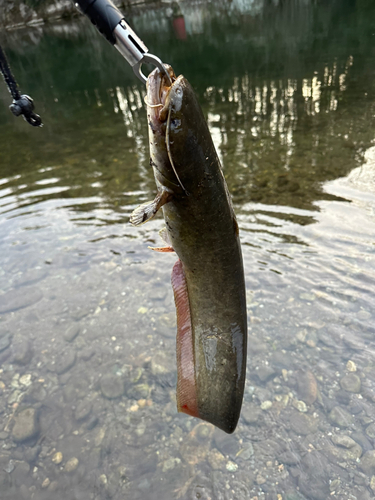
column 87, row 319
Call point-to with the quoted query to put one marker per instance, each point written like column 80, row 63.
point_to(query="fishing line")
column 169, row 151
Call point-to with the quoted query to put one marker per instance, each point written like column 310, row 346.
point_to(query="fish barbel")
column 201, row 227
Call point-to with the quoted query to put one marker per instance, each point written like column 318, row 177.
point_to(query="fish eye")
column 175, row 123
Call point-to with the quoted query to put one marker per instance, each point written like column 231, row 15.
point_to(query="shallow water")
column 87, row 320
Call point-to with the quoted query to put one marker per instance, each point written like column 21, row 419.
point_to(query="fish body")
column 208, row 278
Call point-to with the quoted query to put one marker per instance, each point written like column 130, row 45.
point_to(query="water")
column 87, row 321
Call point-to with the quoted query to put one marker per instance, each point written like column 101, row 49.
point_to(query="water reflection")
column 87, row 325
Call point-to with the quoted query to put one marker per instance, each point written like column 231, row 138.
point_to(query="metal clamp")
column 135, row 51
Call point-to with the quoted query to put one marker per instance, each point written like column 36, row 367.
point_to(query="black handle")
column 103, row 14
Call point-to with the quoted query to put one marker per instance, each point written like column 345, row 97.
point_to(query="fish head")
column 178, row 138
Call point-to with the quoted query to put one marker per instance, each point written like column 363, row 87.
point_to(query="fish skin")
column 203, row 231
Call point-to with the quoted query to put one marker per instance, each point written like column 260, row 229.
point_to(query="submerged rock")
column 112, row 386
column 26, row 425
column 351, row 383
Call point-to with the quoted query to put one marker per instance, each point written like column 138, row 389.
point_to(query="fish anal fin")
column 162, row 249
column 148, row 210
column 187, row 400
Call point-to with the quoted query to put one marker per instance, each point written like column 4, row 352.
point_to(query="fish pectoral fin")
column 148, row 210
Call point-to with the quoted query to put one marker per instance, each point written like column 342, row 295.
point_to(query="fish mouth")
column 158, row 93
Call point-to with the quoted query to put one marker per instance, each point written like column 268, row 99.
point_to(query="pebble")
column 340, row 417
column 307, row 386
column 71, row 465
column 22, row 353
column 351, row 366
column 71, row 333
column 65, row 362
column 343, row 440
column 351, row 383
column 299, row 405
column 303, row 424
column 260, row 479
column 216, row 459
column 25, row 380
column 161, row 363
column 231, row 466
column 367, row 463
column 112, row 386
column 57, row 458
column 83, row 410
column 266, row 405
column 246, row 451
column 251, row 414
column 370, row 430
column 3, row 435
column 26, row 425
column 46, row 483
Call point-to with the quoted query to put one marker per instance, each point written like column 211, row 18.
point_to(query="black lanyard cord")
column 22, row 104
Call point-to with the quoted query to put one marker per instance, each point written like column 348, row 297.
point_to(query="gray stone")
column 71, row 333
column 303, row 424
column 22, row 352
column 5, row 341
column 83, row 410
column 252, row 414
column 340, row 417
column 65, row 362
column 343, row 441
column 370, row 430
column 362, row 440
column 161, row 363
column 19, row 298
column 351, row 383
column 265, row 373
column 367, row 463
column 112, row 386
column 26, row 425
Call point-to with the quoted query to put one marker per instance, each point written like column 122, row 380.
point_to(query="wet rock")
column 139, row 391
column 31, row 454
column 282, row 360
column 5, row 341
column 313, row 481
column 57, row 458
column 83, row 410
column 22, row 353
column 226, row 443
column 20, row 473
column 196, row 445
column 112, row 386
column 161, row 364
column 19, row 298
column 351, row 366
column 71, row 333
column 367, row 463
column 65, row 362
column 340, row 417
column 343, row 441
column 246, row 452
column 307, row 386
column 35, row 393
column 370, row 430
column 351, row 383
column 265, row 373
column 362, row 440
column 252, row 414
column 344, row 452
column 303, row 424
column 26, row 425
column 71, row 465
column 288, row 458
